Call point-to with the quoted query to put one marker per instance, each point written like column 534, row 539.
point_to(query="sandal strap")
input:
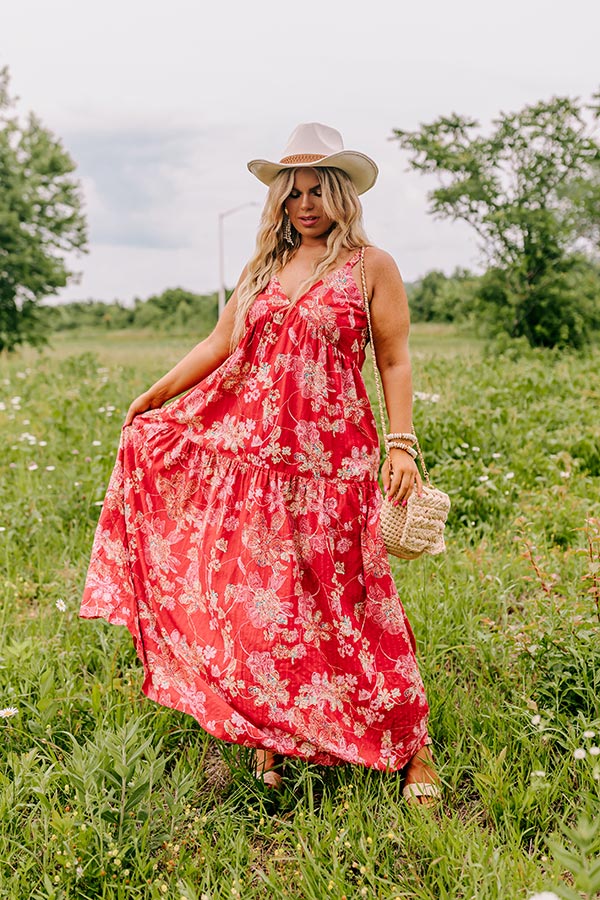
column 421, row 789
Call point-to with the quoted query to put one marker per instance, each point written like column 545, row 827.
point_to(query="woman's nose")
column 307, row 201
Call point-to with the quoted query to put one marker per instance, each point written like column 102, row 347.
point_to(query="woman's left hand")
column 405, row 475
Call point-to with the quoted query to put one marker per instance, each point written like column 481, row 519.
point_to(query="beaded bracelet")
column 398, row 445
column 402, row 435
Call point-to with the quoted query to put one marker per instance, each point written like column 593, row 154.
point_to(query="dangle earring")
column 287, row 228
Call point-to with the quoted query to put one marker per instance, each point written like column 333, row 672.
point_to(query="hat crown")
column 315, row 139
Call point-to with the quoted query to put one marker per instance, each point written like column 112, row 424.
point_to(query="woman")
column 239, row 537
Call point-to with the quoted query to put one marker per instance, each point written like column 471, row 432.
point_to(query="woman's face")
column 305, row 205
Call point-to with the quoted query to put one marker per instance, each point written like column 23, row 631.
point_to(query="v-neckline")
column 275, row 277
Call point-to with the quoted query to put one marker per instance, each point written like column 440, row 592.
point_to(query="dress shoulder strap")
column 355, row 257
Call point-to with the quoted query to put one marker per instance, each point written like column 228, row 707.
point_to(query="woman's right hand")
column 141, row 404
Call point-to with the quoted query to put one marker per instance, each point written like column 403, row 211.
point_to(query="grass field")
column 105, row 794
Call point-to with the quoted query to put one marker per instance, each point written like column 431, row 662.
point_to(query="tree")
column 531, row 190
column 40, row 221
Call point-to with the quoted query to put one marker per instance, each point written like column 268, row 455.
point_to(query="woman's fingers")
column 404, row 479
column 419, row 482
column 139, row 405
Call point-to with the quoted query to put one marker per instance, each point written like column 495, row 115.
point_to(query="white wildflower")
column 96, row 443
column 61, row 605
column 98, row 502
column 579, row 753
column 2, row 528
column 50, row 468
column 431, row 398
column 536, row 720
column 589, row 734
column 484, row 477
column 43, row 443
column 15, row 401
column 475, row 449
column 565, row 474
column 32, row 467
column 594, row 751
column 8, row 712
column 538, row 773
column 510, row 475
column 545, row 895
column 496, row 455
column 2, row 406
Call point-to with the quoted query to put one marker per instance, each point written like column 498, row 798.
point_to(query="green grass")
column 105, row 794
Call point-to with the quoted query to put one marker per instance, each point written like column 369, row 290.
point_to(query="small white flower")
column 545, row 895
column 589, row 734
column 75, row 451
column 32, row 467
column 432, row 398
column 475, row 449
column 484, row 477
column 2, row 406
column 8, row 712
column 538, row 773
column 101, row 409
column 96, row 443
column 43, row 443
column 535, row 720
column 15, row 401
column 50, row 468
column 79, row 871
column 594, row 751
column 2, row 528
column 496, row 455
column 579, row 753
column 466, row 446
column 565, row 474
column 98, row 502
column 61, row 605
column 510, row 475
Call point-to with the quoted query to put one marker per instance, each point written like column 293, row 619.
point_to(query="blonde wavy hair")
column 340, row 203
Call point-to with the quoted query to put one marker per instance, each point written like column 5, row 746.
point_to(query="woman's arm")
column 390, row 322
column 203, row 359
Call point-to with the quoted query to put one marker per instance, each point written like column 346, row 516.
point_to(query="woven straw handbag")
column 417, row 528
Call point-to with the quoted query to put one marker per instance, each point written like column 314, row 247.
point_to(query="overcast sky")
column 161, row 104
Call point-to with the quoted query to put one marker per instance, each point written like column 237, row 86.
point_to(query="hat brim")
column 360, row 168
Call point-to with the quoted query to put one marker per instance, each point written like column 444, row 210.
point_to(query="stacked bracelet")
column 399, row 445
column 402, row 435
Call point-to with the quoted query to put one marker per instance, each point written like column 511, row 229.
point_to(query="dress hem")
column 320, row 758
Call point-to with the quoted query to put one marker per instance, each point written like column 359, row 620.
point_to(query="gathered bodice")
column 291, row 396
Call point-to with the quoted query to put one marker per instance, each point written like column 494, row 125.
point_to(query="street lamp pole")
column 222, row 215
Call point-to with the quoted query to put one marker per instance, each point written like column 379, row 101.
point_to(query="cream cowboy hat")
column 314, row 145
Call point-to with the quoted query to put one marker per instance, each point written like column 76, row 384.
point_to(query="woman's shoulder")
column 380, row 262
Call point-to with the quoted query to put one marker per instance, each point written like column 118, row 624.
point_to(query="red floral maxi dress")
column 239, row 543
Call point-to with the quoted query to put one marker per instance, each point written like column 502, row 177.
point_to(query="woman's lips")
column 308, row 220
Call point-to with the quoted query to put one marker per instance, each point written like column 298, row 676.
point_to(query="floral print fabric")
column 239, row 543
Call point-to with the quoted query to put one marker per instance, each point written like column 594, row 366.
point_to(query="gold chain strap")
column 377, row 377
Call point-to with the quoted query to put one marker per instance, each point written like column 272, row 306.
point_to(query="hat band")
column 302, row 158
